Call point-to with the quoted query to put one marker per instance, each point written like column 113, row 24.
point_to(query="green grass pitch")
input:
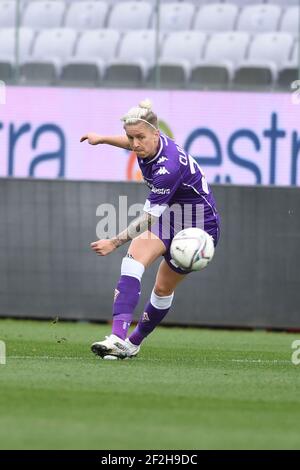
column 188, row 389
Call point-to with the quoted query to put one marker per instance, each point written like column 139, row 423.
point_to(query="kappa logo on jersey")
column 162, row 171
column 162, row 159
column 117, row 292
column 145, row 317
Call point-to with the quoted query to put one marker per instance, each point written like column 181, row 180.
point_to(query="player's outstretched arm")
column 134, row 229
column 120, row 141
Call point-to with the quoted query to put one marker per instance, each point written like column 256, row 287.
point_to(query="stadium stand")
column 51, row 48
column 192, row 52
column 94, row 49
column 283, row 3
column 289, row 70
column 290, row 20
column 127, row 16
column 268, row 51
column 180, row 50
column 224, row 51
column 44, row 14
column 259, row 18
column 86, row 15
column 136, row 55
column 216, row 17
column 7, row 14
column 176, row 16
column 7, row 50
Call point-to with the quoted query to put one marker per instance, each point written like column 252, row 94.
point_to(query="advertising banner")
column 236, row 137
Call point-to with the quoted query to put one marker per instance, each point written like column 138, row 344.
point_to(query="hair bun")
column 145, row 104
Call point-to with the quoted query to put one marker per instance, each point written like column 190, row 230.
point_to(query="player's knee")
column 163, row 290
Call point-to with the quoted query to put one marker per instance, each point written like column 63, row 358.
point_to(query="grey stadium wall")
column 47, row 269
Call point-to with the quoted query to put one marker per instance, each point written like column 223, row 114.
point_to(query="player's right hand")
column 92, row 138
column 103, row 247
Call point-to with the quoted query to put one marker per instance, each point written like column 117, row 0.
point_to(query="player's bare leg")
column 146, row 248
column 166, row 280
column 158, row 305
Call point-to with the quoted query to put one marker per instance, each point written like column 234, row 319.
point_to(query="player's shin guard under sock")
column 156, row 309
column 127, row 296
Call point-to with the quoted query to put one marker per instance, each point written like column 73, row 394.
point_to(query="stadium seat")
column 180, row 51
column 290, row 20
column 223, row 52
column 7, row 50
column 289, row 71
column 7, row 13
column 86, row 15
column 50, row 49
column 44, row 14
column 113, row 2
column 130, row 15
column 242, row 3
column 94, row 49
column 175, row 16
column 267, row 53
column 216, row 17
column 283, row 3
column 136, row 55
column 259, row 18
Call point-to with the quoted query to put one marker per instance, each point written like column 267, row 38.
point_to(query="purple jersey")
column 175, row 178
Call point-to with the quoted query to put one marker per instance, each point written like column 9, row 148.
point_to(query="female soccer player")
column 177, row 185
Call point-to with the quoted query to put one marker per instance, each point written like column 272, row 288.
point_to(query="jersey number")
column 186, row 159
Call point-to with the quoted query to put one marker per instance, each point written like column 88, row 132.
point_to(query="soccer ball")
column 192, row 249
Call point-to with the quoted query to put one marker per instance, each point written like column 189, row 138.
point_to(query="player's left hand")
column 103, row 247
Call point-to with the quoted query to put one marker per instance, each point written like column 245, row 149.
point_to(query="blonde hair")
column 143, row 112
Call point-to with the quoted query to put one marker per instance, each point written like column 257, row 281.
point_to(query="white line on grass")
column 263, row 361
column 75, row 358
column 47, row 357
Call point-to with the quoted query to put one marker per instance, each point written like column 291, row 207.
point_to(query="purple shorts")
column 166, row 235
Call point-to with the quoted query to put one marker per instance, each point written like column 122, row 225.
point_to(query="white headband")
column 140, row 119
